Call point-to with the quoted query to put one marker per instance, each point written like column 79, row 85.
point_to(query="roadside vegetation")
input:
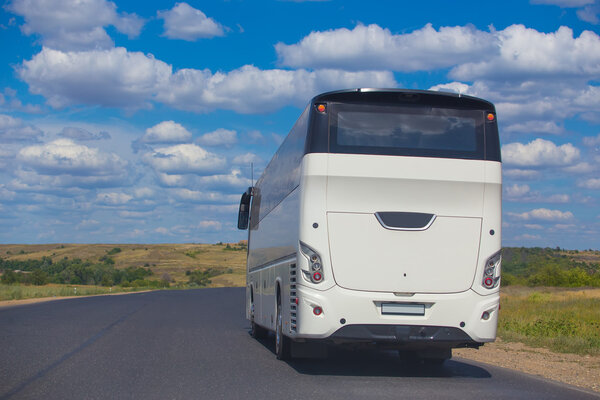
column 563, row 320
column 29, row 271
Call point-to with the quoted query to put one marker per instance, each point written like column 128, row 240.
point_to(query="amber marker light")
column 490, row 117
column 321, row 108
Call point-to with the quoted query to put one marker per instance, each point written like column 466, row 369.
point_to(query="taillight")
column 317, row 310
column 491, row 272
column 315, row 275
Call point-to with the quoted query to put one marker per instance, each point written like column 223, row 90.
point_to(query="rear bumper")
column 453, row 319
column 404, row 336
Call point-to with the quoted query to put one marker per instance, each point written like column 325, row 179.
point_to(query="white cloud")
column 251, row 90
column 564, row 3
column 118, row 78
column 204, row 196
column 187, row 23
column 539, row 153
column 15, row 130
column 219, row 137
column 533, row 126
column 82, row 134
column 166, row 132
column 246, row 159
column 543, row 214
column 533, row 226
column 373, row 47
column 143, row 192
column 581, row 168
column 74, row 24
column 113, row 198
column 592, row 183
column 452, row 87
column 589, row 13
column 210, row 225
column 516, row 173
column 516, row 190
column 184, row 159
column 110, row 78
column 525, row 52
column 592, row 141
column 63, row 156
column 233, row 180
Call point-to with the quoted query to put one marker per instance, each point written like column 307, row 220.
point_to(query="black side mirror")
column 244, row 213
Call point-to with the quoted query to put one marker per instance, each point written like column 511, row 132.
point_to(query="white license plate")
column 402, row 309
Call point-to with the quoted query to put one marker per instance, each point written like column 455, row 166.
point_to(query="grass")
column 19, row 292
column 562, row 320
column 173, row 259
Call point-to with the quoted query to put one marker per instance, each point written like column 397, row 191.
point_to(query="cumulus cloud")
column 203, row 196
column 219, row 137
column 82, row 134
column 251, row 90
column 525, row 52
column 113, row 198
column 592, row 183
column 74, row 24
column 539, row 153
column 592, row 141
column 543, row 214
column 63, row 156
column 210, row 225
column 516, row 190
column 166, row 132
column 118, row 78
column 185, row 22
column 110, row 78
column 16, row 130
column 523, row 193
column 373, row 47
column 544, row 127
column 184, row 159
column 245, row 159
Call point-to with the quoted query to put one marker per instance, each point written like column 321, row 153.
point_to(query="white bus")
column 378, row 222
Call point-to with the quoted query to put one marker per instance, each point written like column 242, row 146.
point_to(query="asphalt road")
column 195, row 344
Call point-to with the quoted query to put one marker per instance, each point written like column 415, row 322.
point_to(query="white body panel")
column 363, row 262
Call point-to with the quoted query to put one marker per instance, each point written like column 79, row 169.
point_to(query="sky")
column 137, row 122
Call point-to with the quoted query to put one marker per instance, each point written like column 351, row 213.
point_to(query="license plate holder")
column 402, row 309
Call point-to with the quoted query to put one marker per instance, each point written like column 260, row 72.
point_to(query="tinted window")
column 282, row 175
column 404, row 130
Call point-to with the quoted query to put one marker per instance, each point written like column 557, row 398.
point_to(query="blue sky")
column 131, row 122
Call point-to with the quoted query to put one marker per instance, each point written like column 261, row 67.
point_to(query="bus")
column 378, row 223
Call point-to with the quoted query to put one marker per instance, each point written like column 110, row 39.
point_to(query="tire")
column 282, row 343
column 256, row 331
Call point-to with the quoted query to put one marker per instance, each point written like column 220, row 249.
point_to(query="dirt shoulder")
column 581, row 371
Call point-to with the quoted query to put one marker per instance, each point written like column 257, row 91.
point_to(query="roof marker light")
column 321, row 108
column 490, row 117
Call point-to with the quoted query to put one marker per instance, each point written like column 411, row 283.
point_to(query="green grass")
column 566, row 321
column 19, row 292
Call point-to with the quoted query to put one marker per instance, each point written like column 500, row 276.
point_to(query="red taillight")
column 317, row 276
column 317, row 310
column 489, row 282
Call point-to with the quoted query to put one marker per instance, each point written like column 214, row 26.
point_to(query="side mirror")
column 244, row 212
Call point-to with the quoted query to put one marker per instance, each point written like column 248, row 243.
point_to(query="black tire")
column 282, row 343
column 256, row 331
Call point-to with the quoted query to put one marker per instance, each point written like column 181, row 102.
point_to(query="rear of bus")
column 400, row 221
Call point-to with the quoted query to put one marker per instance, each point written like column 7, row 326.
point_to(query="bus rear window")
column 410, row 131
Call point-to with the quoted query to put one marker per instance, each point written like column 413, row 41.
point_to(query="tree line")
column 75, row 272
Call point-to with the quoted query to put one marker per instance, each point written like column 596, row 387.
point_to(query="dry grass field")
column 173, row 259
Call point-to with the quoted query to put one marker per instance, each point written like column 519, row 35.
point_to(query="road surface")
column 194, row 344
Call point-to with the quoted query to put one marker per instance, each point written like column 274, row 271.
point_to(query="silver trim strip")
column 393, row 228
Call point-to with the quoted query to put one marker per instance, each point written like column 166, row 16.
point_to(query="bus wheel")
column 282, row 342
column 257, row 331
